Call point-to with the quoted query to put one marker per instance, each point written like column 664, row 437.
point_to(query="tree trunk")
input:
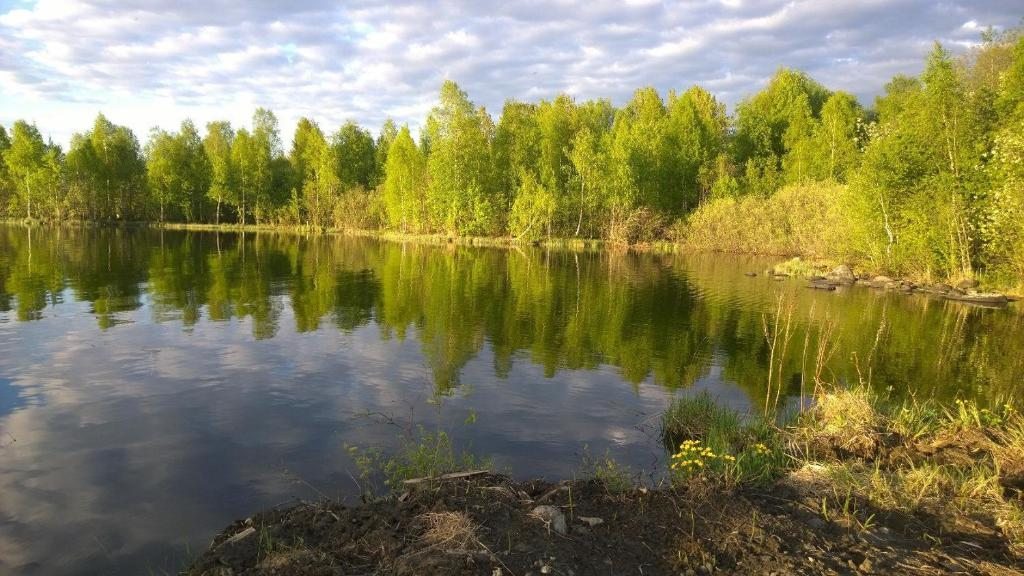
column 579, row 222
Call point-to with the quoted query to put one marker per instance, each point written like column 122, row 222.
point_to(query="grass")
column 449, row 530
column 799, row 268
column 422, row 454
column 615, row 477
column 946, row 468
column 708, row 441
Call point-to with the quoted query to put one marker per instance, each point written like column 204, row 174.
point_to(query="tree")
column 264, row 148
column 698, row 127
column 178, row 170
column 516, row 149
column 119, row 170
column 217, row 145
column 196, row 171
column 764, row 133
column 386, row 137
column 162, row 169
column 26, row 163
column 404, row 183
column 460, row 196
column 356, row 156
column 242, row 163
column 5, row 178
column 837, row 139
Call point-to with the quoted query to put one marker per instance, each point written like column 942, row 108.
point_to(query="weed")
column 421, row 455
column 615, row 477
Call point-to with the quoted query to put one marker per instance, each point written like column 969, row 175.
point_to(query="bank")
column 849, row 487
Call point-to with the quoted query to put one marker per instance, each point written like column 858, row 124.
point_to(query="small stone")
column 551, row 516
column 591, row 520
column 545, row 569
column 496, row 572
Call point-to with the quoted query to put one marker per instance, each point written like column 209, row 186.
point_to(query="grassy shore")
column 852, row 484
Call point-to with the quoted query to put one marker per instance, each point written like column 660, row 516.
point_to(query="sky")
column 156, row 62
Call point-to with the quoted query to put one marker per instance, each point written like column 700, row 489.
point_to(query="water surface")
column 156, row 385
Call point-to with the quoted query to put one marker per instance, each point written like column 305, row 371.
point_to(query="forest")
column 928, row 182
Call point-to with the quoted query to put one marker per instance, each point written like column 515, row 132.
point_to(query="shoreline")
column 852, row 486
column 490, row 524
column 816, row 273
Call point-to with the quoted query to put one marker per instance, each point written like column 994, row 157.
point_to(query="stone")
column 591, row 520
column 842, row 273
column 551, row 516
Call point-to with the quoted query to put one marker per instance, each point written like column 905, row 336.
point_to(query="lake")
column 155, row 385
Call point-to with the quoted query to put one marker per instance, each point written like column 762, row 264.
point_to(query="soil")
column 698, row 529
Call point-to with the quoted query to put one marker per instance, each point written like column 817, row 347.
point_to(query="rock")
column 842, row 274
column 821, row 285
column 967, row 284
column 881, row 280
column 751, row 274
column 545, row 569
column 551, row 516
column 591, row 520
column 983, row 298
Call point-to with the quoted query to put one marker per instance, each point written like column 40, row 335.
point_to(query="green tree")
column 27, row 165
column 838, row 138
column 217, row 144
column 243, row 151
column 405, row 183
column 264, row 148
column 386, row 137
column 356, row 156
column 162, row 170
column 117, row 169
column 6, row 186
column 460, row 197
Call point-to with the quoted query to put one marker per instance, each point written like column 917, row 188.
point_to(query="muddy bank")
column 492, row 525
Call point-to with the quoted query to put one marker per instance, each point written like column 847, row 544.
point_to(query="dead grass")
column 960, row 466
column 449, row 530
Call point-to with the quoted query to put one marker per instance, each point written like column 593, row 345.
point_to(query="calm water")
column 155, row 385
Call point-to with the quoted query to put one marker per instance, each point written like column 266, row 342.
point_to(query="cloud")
column 146, row 62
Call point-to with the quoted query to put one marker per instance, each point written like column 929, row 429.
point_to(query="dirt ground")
column 491, row 525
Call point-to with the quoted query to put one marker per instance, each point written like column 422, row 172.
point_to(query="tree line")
column 930, row 179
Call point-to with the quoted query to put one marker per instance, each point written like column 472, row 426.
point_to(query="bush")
column 803, row 220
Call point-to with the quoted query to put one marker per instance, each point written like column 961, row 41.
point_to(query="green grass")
column 423, row 454
column 708, row 441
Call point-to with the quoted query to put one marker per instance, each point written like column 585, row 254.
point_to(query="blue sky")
column 149, row 62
